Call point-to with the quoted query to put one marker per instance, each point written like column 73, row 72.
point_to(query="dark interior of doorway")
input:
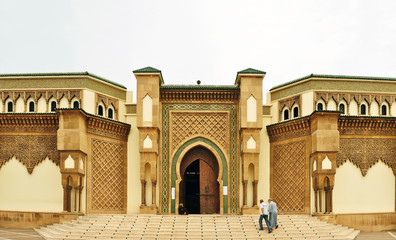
column 191, row 179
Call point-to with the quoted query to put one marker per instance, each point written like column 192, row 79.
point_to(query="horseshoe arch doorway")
column 199, row 188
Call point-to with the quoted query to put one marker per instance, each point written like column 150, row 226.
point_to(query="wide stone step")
column 124, row 226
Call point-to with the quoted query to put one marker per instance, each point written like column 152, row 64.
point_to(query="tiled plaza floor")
column 19, row 234
column 30, row 234
column 377, row 235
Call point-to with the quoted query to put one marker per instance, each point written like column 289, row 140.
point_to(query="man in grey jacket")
column 273, row 214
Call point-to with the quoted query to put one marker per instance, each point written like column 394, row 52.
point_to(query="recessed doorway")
column 199, row 188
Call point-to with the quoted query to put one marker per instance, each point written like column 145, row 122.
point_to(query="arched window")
column 10, row 107
column 286, row 114
column 110, row 113
column 363, row 110
column 295, row 112
column 100, row 110
column 384, row 111
column 320, row 106
column 53, row 106
column 31, row 106
column 76, row 104
column 341, row 108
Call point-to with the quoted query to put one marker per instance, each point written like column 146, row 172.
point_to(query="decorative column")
column 154, row 195
column 255, row 193
column 148, row 122
column 244, row 184
column 250, row 82
column 143, row 192
column 325, row 145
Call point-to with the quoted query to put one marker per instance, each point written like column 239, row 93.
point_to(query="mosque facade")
column 76, row 143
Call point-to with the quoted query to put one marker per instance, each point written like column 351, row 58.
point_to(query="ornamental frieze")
column 30, row 150
column 357, row 97
column 351, row 125
column 289, row 102
column 108, row 101
column 36, row 95
column 366, row 152
column 108, row 128
column 196, row 96
column 40, row 123
column 289, row 129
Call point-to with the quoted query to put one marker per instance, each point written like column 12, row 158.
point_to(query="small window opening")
column 342, row 108
column 295, row 112
column 53, row 106
column 100, row 110
column 31, row 107
column 286, row 114
column 110, row 113
column 384, row 111
column 363, row 109
column 76, row 104
column 320, row 106
column 10, row 107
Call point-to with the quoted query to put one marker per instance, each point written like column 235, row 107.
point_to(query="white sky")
column 206, row 40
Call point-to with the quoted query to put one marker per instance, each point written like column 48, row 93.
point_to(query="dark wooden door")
column 199, row 189
column 191, row 188
column 208, row 188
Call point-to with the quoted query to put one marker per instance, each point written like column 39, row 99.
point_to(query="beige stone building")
column 76, row 143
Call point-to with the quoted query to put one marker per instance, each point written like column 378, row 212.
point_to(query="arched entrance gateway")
column 199, row 177
column 199, row 188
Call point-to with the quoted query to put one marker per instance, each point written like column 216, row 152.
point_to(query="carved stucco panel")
column 108, row 173
column 30, row 150
column 289, row 176
column 187, row 124
column 365, row 152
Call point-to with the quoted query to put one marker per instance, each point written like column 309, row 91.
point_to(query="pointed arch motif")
column 147, row 109
column 252, row 109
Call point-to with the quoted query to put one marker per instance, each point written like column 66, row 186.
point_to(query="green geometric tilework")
column 165, row 159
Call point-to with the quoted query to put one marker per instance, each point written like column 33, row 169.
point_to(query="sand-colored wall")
column 393, row 109
column 307, row 104
column 263, row 186
column 88, row 102
column 64, row 103
column 39, row 192
column 121, row 111
column 41, row 105
column 19, row 106
column 374, row 109
column 331, row 105
column 133, row 183
column 274, row 113
column 353, row 108
column 373, row 193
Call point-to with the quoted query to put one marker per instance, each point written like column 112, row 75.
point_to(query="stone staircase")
column 141, row 226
